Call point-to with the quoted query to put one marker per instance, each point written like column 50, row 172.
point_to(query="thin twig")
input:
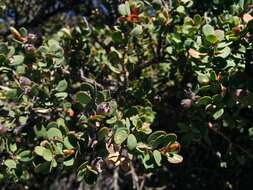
column 230, row 142
column 134, row 178
column 85, row 79
column 116, row 179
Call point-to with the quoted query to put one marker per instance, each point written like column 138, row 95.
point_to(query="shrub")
column 88, row 97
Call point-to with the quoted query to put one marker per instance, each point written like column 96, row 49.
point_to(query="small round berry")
column 186, row 103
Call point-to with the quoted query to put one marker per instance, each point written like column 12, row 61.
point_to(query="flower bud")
column 186, row 103
column 103, row 108
column 240, row 93
column 3, row 129
column 24, row 81
column 32, row 38
column 29, row 48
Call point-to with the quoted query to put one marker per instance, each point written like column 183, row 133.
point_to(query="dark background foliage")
column 214, row 158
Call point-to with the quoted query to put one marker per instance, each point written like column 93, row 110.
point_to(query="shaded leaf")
column 83, row 97
column 136, row 31
column 204, row 100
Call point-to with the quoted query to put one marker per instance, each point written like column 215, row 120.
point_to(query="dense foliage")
column 109, row 89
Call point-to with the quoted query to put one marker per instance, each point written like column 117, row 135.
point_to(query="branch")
column 134, row 178
column 116, row 179
column 85, row 79
column 146, row 64
column 231, row 143
column 43, row 17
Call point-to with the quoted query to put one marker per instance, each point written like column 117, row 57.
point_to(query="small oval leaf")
column 131, row 142
column 83, row 97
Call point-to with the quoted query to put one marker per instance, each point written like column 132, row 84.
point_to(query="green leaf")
column 169, row 138
column 131, row 142
column 23, row 32
column 157, row 157
column 124, row 9
column 197, row 19
column 218, row 114
column 52, row 124
column 224, row 53
column 61, row 86
column 23, row 120
column 13, row 147
column 250, row 130
column 87, row 87
column 83, row 97
column 136, row 31
column 219, row 34
column 12, row 93
column 69, row 162
column 54, row 45
column 18, row 59
column 68, row 143
column 103, row 133
column 114, row 52
column 61, row 95
column 117, row 37
column 112, row 120
column 212, row 38
column 11, row 164
column 53, row 133
column 4, row 49
column 180, row 9
column 53, row 164
column 2, row 59
column 40, row 132
column 90, row 175
column 207, row 29
column 213, row 76
column 39, row 150
column 146, row 161
column 120, row 135
column 154, row 136
column 204, row 100
column 25, row 156
column 58, row 148
column 203, row 78
column 241, row 3
column 113, row 69
column 83, row 166
column 47, row 155
column 164, row 140
column 21, row 69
